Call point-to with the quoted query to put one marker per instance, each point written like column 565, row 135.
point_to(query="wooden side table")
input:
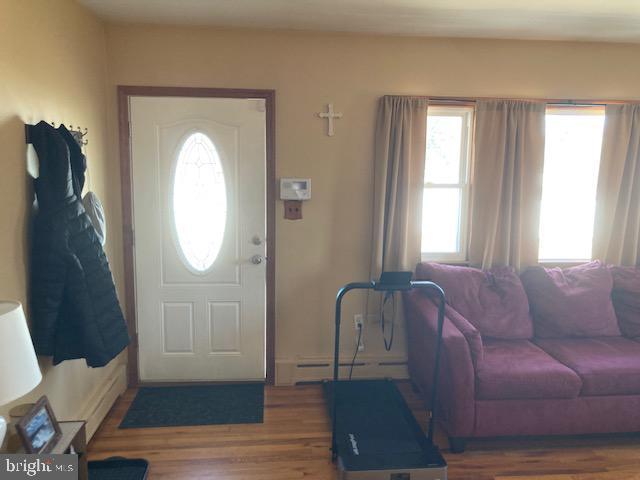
column 73, row 439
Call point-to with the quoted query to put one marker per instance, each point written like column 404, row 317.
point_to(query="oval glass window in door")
column 199, row 202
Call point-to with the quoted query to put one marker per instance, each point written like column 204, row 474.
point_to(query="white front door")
column 198, row 167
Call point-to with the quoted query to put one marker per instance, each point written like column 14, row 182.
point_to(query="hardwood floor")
column 293, row 443
column 579, row 476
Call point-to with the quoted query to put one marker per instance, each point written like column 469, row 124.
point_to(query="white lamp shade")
column 19, row 370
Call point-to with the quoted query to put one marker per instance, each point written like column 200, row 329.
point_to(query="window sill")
column 445, row 261
column 562, row 263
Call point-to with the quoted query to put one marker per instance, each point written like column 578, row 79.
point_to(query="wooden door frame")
column 125, row 92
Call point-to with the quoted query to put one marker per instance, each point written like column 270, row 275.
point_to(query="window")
column 446, row 184
column 573, row 141
column 199, row 202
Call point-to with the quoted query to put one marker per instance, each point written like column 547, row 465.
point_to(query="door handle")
column 257, row 259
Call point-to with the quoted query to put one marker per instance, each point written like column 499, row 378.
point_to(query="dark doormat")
column 118, row 468
column 196, row 405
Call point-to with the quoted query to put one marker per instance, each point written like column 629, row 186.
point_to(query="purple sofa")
column 549, row 352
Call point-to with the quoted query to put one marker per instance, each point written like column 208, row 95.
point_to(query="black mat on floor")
column 196, row 405
column 118, row 469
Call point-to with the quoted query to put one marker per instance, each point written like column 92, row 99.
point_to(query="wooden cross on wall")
column 330, row 115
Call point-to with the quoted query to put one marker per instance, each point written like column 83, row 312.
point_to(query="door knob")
column 257, row 259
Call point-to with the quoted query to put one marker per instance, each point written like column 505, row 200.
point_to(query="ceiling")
column 599, row 20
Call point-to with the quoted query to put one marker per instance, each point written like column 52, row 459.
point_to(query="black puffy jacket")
column 75, row 312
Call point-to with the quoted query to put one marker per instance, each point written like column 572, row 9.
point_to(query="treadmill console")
column 394, row 281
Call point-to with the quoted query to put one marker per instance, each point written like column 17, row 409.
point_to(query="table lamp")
column 19, row 370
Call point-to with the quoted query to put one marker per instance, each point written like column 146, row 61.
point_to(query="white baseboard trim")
column 313, row 369
column 98, row 406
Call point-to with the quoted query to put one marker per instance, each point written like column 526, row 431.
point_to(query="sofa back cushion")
column 493, row 301
column 574, row 302
column 626, row 299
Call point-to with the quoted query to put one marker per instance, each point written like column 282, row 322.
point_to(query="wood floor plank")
column 578, row 476
column 293, row 443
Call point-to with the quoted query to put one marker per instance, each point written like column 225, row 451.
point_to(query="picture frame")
column 39, row 430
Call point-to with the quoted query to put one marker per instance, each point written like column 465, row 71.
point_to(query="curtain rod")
column 549, row 101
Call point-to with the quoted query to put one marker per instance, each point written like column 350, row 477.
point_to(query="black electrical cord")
column 355, row 354
column 383, row 302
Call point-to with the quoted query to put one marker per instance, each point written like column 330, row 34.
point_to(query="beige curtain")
column 507, row 183
column 398, row 183
column 617, row 222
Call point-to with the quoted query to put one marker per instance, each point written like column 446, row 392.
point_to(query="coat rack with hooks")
column 79, row 134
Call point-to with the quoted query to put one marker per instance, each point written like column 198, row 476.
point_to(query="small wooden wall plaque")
column 293, row 209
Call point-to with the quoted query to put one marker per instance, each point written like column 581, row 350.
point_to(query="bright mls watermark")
column 38, row 466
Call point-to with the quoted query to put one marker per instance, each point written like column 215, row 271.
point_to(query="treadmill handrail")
column 419, row 284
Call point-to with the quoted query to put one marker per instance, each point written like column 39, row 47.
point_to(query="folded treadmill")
column 374, row 433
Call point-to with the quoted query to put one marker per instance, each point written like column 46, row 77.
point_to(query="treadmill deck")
column 378, row 437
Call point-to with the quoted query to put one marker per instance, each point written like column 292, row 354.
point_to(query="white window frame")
column 570, row 110
column 467, row 114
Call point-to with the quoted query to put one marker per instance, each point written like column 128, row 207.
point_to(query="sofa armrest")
column 456, row 389
column 470, row 333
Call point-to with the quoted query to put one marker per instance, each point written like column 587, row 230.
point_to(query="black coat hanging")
column 75, row 312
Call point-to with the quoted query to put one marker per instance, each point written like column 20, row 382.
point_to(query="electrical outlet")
column 358, row 321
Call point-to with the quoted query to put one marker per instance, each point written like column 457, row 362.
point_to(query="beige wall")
column 330, row 246
column 52, row 59
column 52, row 67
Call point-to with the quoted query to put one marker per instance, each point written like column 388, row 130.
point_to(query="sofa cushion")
column 626, row 299
column 493, row 301
column 575, row 302
column 606, row 365
column 518, row 369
